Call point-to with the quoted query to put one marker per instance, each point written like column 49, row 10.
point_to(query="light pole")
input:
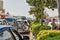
column 58, row 5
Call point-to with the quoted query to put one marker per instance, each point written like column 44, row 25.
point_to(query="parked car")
column 23, row 24
column 1, row 21
column 8, row 33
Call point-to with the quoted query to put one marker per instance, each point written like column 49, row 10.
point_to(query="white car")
column 1, row 21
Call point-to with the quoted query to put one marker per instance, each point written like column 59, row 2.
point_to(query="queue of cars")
column 7, row 33
column 10, row 29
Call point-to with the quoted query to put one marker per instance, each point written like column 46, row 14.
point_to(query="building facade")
column 1, row 4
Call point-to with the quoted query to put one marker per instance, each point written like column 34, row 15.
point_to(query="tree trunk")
column 42, row 16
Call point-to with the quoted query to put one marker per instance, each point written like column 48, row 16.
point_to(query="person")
column 25, row 28
column 45, row 22
column 53, row 24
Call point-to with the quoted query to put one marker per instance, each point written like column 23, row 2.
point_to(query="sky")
column 21, row 8
column 16, row 7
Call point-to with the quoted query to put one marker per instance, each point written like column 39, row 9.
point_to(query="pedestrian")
column 45, row 22
column 25, row 26
column 53, row 24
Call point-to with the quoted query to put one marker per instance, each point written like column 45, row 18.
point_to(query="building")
column 1, row 4
column 1, row 7
column 2, row 11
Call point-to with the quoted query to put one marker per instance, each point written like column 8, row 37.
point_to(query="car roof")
column 21, row 20
column 3, row 26
column 2, row 19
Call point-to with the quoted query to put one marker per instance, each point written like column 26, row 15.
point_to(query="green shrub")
column 48, row 35
column 36, row 27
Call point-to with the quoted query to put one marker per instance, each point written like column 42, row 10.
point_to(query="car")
column 23, row 28
column 8, row 33
column 1, row 21
column 10, row 21
column 23, row 24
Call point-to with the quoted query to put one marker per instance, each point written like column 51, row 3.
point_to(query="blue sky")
column 20, row 7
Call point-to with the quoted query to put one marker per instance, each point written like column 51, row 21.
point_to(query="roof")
column 3, row 27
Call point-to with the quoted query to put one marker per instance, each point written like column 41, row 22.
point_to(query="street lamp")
column 58, row 5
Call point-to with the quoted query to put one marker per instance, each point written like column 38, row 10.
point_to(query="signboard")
column 2, row 16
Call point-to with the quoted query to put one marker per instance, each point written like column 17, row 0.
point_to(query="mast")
column 58, row 5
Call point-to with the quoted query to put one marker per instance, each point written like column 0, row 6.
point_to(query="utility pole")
column 58, row 5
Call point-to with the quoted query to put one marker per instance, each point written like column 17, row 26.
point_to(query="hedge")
column 36, row 28
column 48, row 35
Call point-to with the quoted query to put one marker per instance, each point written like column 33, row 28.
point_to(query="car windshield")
column 10, row 19
column 23, row 17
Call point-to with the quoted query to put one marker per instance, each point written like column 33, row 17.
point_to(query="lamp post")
column 58, row 5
